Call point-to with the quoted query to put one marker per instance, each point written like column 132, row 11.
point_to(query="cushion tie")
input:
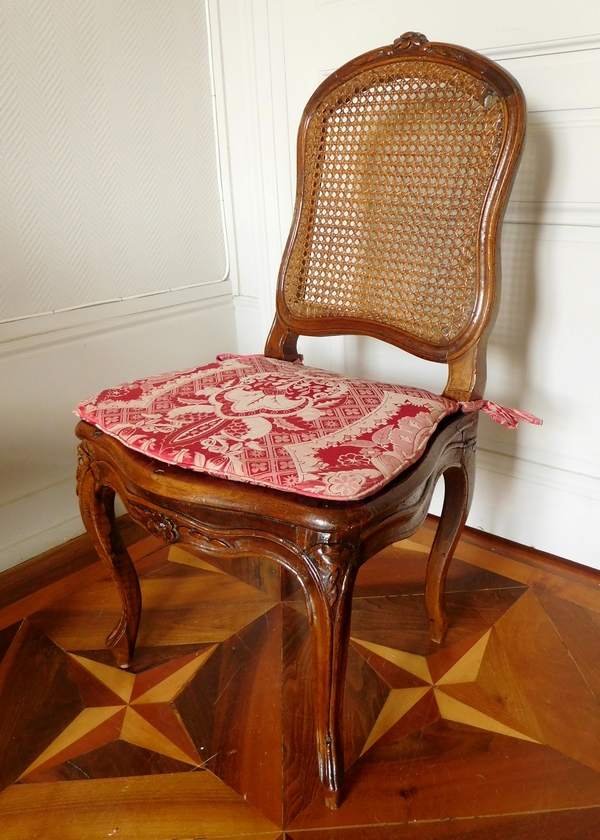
column 508, row 417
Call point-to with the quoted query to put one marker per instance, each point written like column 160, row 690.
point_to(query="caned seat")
column 406, row 156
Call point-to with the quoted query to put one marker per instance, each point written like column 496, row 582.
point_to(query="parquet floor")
column 494, row 735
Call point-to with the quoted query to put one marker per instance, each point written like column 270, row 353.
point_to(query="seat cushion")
column 273, row 423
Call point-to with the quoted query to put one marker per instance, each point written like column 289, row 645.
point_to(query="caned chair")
column 406, row 156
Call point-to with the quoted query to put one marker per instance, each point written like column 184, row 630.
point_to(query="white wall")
column 540, row 487
column 45, row 375
column 113, row 259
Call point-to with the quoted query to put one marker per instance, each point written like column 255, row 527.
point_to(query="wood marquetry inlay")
column 499, row 722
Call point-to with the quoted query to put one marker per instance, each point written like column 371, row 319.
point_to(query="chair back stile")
column 406, row 156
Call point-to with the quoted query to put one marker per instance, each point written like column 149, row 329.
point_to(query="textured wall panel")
column 108, row 162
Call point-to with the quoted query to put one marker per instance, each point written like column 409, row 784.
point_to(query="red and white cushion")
column 277, row 424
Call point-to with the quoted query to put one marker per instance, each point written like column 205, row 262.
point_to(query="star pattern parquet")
column 495, row 734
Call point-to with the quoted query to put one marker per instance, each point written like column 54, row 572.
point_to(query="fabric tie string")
column 508, row 417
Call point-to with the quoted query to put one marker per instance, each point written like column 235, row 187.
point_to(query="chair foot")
column 117, row 641
column 96, row 503
column 437, row 629
column 333, row 799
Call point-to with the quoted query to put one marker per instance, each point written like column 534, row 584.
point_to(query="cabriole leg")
column 457, row 501
column 96, row 504
column 329, row 602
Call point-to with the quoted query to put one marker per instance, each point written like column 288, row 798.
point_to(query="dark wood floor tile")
column 6, row 637
column 400, row 570
column 38, row 698
column 260, row 573
column 498, row 680
column 580, row 631
column 580, row 824
column 196, row 704
column 564, row 707
column 401, row 621
column 93, row 728
column 239, row 738
column 540, row 561
column 449, row 770
column 247, row 741
column 157, row 565
column 24, row 597
column 300, row 771
column 474, row 697
column 564, row 579
column 208, row 608
column 188, row 805
column 90, row 730
column 176, row 570
column 365, row 696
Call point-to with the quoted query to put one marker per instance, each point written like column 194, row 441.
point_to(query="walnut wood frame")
column 465, row 354
column 322, row 543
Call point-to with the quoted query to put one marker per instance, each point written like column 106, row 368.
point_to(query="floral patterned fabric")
column 277, row 424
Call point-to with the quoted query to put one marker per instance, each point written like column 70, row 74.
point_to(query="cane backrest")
column 404, row 165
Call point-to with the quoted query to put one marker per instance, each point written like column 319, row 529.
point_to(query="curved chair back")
column 406, row 156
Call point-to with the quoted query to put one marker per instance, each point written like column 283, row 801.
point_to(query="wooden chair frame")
column 322, row 543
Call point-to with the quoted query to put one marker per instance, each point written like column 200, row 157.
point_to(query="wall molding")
column 559, row 46
column 257, row 134
column 561, row 213
column 58, row 321
column 566, row 118
column 45, row 376
column 574, row 483
column 105, row 323
column 52, row 518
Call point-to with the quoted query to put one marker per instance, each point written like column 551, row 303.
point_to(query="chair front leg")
column 96, row 503
column 459, row 483
column 328, row 595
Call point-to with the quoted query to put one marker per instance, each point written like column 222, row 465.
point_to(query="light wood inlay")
column 121, row 682
column 452, row 709
column 85, row 723
column 170, row 687
column 467, row 667
column 179, row 555
column 137, row 730
column 416, row 665
column 399, row 702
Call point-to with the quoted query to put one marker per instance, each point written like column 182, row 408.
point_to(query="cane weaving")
column 398, row 162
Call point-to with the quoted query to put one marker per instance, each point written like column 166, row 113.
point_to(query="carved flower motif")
column 410, row 39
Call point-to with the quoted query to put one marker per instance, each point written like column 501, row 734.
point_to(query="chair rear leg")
column 96, row 504
column 457, row 502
